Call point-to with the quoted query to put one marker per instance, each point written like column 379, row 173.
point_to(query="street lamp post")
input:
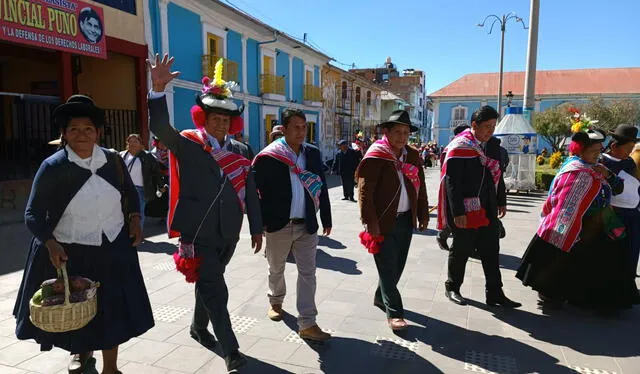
column 503, row 23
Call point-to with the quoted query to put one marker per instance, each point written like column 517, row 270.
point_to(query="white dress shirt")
column 297, row 189
column 134, row 165
column 404, row 205
column 95, row 209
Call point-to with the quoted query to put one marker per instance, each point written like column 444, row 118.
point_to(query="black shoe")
column 203, row 337
column 352, row 199
column 235, row 361
column 442, row 242
column 345, row 198
column 79, row 362
column 498, row 298
column 455, row 297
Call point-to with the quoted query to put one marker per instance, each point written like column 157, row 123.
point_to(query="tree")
column 553, row 124
column 610, row 114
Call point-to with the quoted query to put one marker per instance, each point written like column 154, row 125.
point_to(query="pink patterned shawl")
column 573, row 190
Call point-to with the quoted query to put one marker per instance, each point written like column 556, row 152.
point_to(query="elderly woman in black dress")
column 80, row 201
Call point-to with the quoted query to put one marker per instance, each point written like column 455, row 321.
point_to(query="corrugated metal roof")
column 548, row 82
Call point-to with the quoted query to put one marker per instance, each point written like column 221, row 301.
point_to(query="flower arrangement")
column 218, row 87
column 555, row 160
column 540, row 160
column 580, row 121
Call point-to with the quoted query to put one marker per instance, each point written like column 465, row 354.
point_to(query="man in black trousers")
column 471, row 207
column 345, row 164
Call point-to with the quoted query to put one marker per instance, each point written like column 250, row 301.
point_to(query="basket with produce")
column 64, row 304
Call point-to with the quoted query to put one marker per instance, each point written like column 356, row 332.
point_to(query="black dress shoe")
column 235, row 361
column 498, row 298
column 203, row 337
column 455, row 297
column 442, row 242
column 352, row 199
column 345, row 198
column 79, row 362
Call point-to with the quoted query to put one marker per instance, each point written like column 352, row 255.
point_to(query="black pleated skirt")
column 124, row 310
column 590, row 276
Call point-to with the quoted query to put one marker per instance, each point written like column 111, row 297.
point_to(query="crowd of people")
column 88, row 203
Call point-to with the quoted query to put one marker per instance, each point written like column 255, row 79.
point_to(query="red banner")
column 65, row 25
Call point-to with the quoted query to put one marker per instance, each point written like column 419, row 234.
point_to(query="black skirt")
column 590, row 276
column 544, row 268
column 124, row 310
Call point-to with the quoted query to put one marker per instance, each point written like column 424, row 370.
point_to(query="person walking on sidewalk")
column 393, row 197
column 292, row 186
column 468, row 204
column 345, row 164
column 445, row 232
column 80, row 203
column 211, row 186
column 143, row 169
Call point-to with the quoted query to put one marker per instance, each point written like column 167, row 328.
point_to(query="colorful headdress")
column 580, row 121
column 216, row 97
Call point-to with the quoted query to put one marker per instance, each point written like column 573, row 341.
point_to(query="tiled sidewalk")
column 442, row 337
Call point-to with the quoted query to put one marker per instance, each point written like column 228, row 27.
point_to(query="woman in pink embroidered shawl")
column 577, row 252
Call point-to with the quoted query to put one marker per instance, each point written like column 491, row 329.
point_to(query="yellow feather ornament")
column 217, row 75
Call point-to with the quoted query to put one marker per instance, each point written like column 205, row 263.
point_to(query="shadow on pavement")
column 427, row 232
column 462, row 344
column 509, row 262
column 577, row 329
column 325, row 261
column 325, row 241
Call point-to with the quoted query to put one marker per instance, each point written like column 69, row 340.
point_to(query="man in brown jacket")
column 393, row 198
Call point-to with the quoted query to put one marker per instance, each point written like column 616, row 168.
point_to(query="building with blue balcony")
column 454, row 104
column 274, row 71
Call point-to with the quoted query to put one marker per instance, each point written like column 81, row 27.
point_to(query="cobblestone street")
column 443, row 337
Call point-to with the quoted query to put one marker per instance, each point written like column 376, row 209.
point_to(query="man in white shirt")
column 291, row 181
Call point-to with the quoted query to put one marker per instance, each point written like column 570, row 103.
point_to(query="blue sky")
column 441, row 37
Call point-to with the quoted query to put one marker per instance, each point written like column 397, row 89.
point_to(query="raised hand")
column 161, row 73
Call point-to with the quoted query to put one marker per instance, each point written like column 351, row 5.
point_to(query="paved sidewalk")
column 442, row 337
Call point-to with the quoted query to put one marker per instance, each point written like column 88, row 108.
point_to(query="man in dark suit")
column 292, row 186
column 471, row 207
column 345, row 164
column 208, row 214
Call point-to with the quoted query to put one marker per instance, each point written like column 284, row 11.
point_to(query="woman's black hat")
column 399, row 117
column 589, row 137
column 78, row 106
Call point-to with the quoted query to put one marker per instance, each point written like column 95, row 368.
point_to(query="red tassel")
column 477, row 219
column 237, row 125
column 188, row 267
column 372, row 243
column 198, row 116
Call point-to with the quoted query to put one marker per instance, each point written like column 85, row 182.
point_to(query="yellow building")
column 351, row 104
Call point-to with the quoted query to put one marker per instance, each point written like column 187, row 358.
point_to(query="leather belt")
column 296, row 221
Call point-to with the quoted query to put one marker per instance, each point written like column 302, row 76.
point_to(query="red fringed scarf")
column 234, row 167
column 381, row 149
column 465, row 145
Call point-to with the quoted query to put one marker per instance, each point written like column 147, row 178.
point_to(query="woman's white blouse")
column 95, row 209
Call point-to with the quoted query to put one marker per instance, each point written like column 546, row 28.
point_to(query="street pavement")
column 442, row 337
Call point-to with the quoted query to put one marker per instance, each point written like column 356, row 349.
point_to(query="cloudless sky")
column 441, row 36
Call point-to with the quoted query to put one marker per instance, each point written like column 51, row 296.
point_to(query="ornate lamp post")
column 503, row 23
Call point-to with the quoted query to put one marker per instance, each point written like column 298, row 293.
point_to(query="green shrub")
column 544, row 179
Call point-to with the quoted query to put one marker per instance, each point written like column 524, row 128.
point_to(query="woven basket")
column 66, row 316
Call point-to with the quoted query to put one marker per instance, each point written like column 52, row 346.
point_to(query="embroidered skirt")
column 124, row 310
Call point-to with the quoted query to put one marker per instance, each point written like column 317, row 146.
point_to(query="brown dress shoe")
column 79, row 362
column 314, row 333
column 275, row 313
column 397, row 324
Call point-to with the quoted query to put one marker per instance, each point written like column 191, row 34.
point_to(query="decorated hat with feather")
column 216, row 97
